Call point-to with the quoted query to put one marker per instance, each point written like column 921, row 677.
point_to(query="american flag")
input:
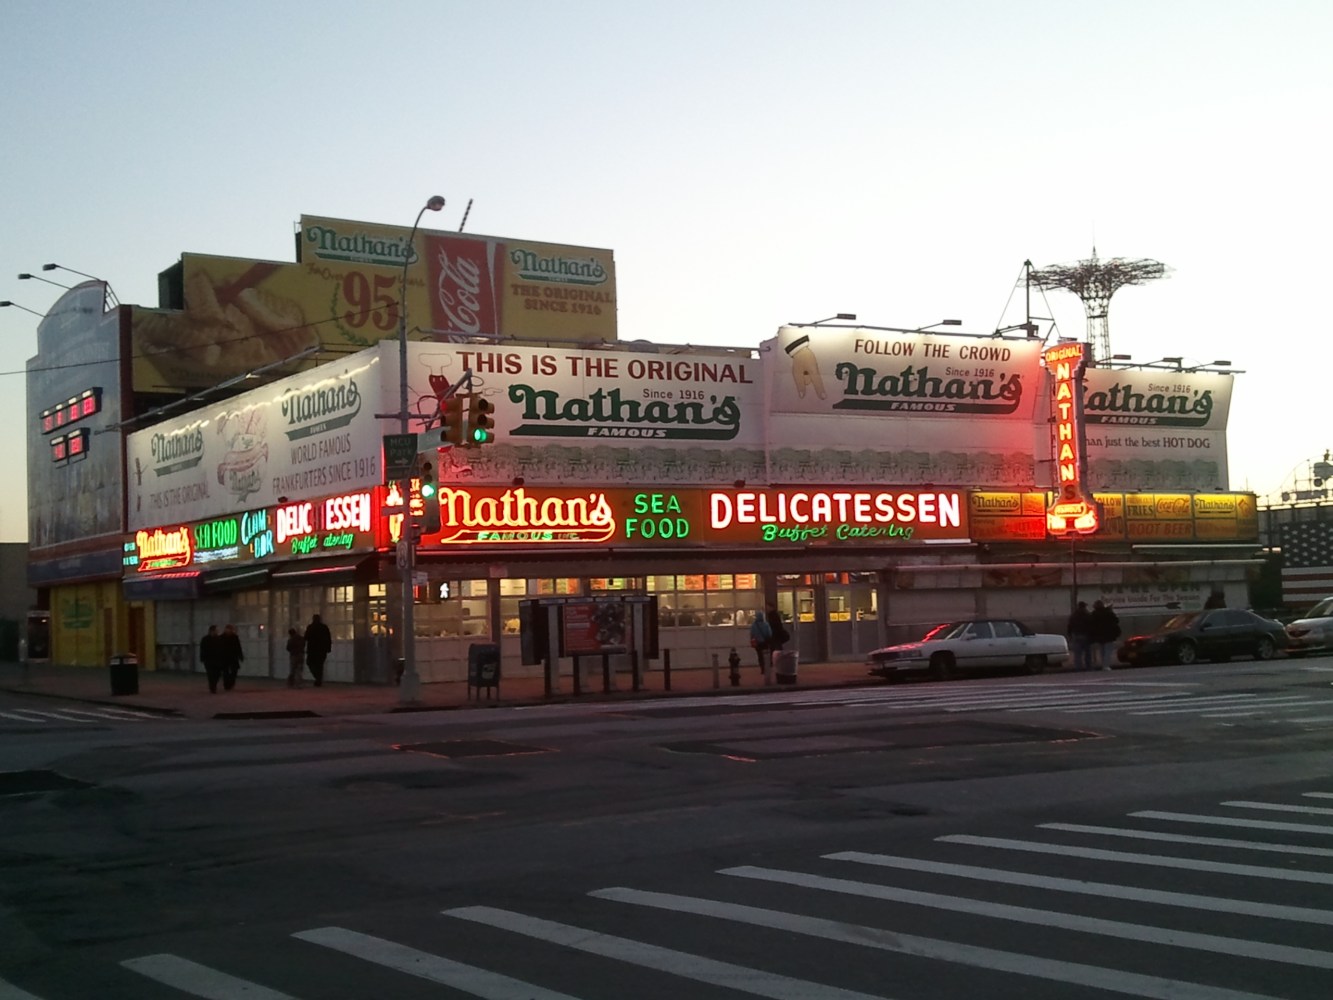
column 1307, row 561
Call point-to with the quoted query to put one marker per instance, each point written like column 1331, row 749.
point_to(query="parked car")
column 969, row 645
column 1216, row 635
column 1313, row 631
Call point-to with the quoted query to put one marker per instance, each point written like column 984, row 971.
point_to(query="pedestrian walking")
column 1104, row 629
column 318, row 645
column 230, row 656
column 210, row 657
column 760, row 635
column 779, row 629
column 295, row 658
column 1079, row 631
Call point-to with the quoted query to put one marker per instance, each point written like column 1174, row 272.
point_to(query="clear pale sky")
column 751, row 163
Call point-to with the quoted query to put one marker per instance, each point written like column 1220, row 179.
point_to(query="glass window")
column 451, row 608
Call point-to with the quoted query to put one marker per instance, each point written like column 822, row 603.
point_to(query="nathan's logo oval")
column 315, row 409
column 176, row 450
column 532, row 266
column 327, row 243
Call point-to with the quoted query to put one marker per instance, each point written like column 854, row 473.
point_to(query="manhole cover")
column 27, row 782
column 471, row 748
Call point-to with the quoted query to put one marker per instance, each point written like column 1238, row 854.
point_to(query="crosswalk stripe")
column 1145, row 933
column 1181, row 838
column 1253, row 703
column 1055, row 970
column 668, row 960
column 446, row 972
column 1276, row 807
column 1185, row 900
column 1154, row 860
column 199, row 980
column 1317, row 795
column 105, row 715
column 1187, row 700
column 8, row 991
column 1251, row 824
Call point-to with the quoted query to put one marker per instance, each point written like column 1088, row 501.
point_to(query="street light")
column 38, row 277
column 943, row 322
column 24, row 308
column 409, row 689
column 110, row 299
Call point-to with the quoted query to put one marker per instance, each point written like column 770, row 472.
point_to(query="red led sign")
column 1074, row 512
column 85, row 404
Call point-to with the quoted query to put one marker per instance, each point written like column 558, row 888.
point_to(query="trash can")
column 124, row 674
column 483, row 667
column 785, row 664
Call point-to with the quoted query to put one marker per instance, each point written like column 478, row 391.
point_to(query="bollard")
column 734, row 661
column 606, row 673
column 717, row 679
column 634, row 670
column 666, row 669
column 578, row 676
column 547, row 672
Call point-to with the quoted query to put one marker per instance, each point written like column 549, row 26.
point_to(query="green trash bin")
column 124, row 674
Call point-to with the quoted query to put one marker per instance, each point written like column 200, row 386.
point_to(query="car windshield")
column 946, row 631
column 1324, row 609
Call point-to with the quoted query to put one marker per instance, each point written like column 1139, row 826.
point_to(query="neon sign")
column 1073, row 511
column 164, row 548
column 338, row 522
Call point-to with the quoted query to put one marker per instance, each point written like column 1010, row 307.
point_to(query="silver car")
column 1313, row 631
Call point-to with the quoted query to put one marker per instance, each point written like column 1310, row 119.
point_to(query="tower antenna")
column 1095, row 281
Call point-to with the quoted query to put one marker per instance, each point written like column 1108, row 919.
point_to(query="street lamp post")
column 409, row 689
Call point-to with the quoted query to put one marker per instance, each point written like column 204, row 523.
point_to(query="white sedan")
column 983, row 643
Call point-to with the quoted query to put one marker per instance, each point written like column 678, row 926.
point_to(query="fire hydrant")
column 734, row 661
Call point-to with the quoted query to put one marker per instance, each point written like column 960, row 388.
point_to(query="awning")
column 181, row 585
column 235, row 578
column 320, row 572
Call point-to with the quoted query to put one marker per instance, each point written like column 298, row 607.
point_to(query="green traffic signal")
column 480, row 422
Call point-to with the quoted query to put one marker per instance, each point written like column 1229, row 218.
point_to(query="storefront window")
column 706, row 600
column 451, row 608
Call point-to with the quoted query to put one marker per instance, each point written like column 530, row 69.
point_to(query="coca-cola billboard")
column 462, row 285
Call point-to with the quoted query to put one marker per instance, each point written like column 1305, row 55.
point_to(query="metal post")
column 409, row 691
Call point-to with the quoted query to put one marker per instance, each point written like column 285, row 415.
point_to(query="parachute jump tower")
column 1095, row 281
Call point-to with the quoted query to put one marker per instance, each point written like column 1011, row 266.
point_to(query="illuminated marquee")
column 345, row 521
column 691, row 517
column 163, row 548
column 1074, row 512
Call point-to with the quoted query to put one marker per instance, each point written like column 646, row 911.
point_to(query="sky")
column 750, row 163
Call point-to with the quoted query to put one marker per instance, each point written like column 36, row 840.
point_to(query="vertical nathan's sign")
column 1073, row 511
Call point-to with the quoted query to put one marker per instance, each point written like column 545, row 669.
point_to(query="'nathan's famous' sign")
column 1073, row 512
column 675, row 517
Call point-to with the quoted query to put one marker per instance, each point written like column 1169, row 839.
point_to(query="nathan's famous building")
column 867, row 482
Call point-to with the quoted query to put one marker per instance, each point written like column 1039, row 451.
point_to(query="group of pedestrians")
column 221, row 654
column 1093, row 636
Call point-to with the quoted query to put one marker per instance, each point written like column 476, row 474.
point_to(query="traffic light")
column 480, row 423
column 452, row 429
column 430, row 499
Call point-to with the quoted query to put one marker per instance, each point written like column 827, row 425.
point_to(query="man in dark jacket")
column 230, row 656
column 209, row 657
column 318, row 645
column 1105, row 630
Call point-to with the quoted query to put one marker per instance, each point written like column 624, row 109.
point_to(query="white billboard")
column 304, row 436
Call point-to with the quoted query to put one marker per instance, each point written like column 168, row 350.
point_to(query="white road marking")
column 1252, row 824
column 1273, row 807
column 1191, row 901
column 1253, row 703
column 8, row 991
column 456, row 975
column 668, row 960
column 1181, row 838
column 1111, row 980
column 199, row 980
column 1154, row 860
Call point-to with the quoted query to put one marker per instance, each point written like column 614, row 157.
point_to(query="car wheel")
column 1034, row 664
column 1265, row 648
column 1186, row 654
column 942, row 666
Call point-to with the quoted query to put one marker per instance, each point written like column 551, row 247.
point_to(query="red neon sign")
column 1073, row 512
column 164, row 548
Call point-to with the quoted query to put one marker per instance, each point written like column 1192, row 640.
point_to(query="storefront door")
column 853, row 626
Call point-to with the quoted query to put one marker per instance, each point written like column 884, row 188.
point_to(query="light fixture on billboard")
column 943, row 322
column 110, row 299
column 38, row 277
column 844, row 317
column 24, row 308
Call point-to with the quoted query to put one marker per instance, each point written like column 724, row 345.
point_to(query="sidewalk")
column 187, row 695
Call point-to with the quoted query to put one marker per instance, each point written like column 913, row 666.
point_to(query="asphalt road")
column 1150, row 833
